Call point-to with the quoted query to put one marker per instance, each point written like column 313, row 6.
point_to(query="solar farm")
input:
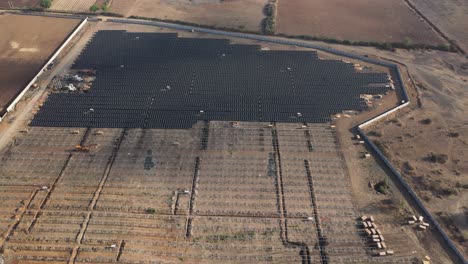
column 156, row 80
column 193, row 150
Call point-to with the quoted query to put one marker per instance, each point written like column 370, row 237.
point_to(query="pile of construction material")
column 375, row 236
column 426, row 260
column 419, row 221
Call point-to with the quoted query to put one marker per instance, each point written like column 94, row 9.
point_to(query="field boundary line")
column 434, row 27
column 18, row 217
column 97, row 194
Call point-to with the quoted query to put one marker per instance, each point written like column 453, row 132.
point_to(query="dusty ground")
column 449, row 15
column 381, row 20
column 24, row 48
column 440, row 127
column 69, row 204
column 239, row 14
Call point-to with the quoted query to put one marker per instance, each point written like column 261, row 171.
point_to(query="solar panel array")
column 158, row 80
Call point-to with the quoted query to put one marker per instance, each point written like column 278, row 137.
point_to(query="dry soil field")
column 451, row 16
column 214, row 193
column 429, row 144
column 240, row 14
column 380, row 20
column 25, row 44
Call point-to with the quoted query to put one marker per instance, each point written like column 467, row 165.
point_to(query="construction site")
column 162, row 146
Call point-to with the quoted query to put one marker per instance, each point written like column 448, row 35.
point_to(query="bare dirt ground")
column 383, row 21
column 429, row 144
column 451, row 16
column 69, row 205
column 18, row 3
column 239, row 14
column 25, row 47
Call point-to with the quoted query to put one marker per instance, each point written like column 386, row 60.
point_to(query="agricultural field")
column 24, row 47
column 361, row 20
column 72, row 5
column 239, row 14
column 451, row 16
column 19, row 3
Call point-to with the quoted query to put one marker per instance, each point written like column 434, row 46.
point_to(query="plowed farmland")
column 451, row 16
column 380, row 20
column 25, row 44
column 241, row 14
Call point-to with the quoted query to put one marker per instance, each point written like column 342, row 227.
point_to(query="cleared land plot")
column 18, row 3
column 451, row 16
column 72, row 5
column 381, row 20
column 233, row 212
column 25, row 46
column 241, row 14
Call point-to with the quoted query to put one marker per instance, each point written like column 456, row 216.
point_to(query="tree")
column 105, row 7
column 408, row 41
column 94, row 8
column 46, row 3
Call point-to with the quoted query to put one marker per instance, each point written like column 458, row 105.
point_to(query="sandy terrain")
column 24, row 48
column 451, row 16
column 240, row 14
column 381, row 20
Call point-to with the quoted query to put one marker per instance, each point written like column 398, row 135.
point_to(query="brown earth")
column 25, row 46
column 380, row 20
column 451, row 16
column 429, row 143
column 240, row 14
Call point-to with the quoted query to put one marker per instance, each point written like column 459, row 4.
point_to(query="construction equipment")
column 80, row 148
